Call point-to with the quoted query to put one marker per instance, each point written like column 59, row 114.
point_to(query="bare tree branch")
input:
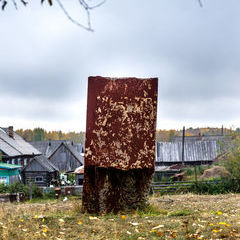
column 88, row 28
column 82, row 3
column 24, row 2
column 4, row 4
column 96, row 6
column 15, row 4
column 85, row 6
column 200, row 3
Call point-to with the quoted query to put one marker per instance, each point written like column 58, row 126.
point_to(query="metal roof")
column 9, row 166
column 193, row 151
column 15, row 146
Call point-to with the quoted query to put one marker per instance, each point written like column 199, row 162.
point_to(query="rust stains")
column 121, row 122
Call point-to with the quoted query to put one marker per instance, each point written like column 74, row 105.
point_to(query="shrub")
column 50, row 194
column 231, row 161
column 14, row 188
column 217, row 187
column 3, row 188
column 18, row 187
column 36, row 191
column 189, row 171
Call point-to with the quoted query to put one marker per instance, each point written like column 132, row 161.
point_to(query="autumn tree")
column 38, row 134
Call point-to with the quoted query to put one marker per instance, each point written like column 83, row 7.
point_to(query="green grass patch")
column 183, row 212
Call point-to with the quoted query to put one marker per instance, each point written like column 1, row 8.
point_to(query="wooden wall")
column 64, row 160
column 31, row 176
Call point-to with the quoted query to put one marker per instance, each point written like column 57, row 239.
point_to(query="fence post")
column 195, row 170
column 30, row 190
column 183, row 140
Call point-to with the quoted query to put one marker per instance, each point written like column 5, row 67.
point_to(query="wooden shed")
column 40, row 171
column 9, row 173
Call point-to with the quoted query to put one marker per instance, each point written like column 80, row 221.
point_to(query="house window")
column 19, row 161
column 3, row 180
column 39, row 179
column 13, row 161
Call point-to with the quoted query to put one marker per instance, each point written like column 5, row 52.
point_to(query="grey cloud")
column 43, row 83
column 194, row 52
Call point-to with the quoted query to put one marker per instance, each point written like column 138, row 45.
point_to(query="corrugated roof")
column 15, row 146
column 193, row 151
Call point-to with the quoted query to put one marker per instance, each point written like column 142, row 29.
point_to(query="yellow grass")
column 170, row 217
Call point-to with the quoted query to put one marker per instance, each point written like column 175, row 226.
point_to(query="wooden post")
column 30, row 190
column 195, row 170
column 222, row 130
column 183, row 141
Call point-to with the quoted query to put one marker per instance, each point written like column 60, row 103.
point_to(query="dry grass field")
column 170, row 217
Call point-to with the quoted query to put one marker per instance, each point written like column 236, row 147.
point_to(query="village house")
column 14, row 149
column 65, row 155
column 40, row 171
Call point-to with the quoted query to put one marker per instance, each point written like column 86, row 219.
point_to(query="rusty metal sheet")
column 121, row 122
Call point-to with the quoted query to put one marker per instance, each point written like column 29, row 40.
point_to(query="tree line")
column 40, row 134
column 168, row 135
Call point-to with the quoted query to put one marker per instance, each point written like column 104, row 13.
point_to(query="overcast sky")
column 45, row 60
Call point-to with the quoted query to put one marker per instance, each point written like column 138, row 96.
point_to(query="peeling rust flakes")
column 121, row 120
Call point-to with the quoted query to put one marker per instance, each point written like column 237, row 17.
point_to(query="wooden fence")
column 180, row 186
column 157, row 187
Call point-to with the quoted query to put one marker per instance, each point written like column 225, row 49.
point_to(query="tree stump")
column 120, row 143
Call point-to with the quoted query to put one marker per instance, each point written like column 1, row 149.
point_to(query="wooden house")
column 40, row 171
column 9, row 173
column 14, row 149
column 65, row 155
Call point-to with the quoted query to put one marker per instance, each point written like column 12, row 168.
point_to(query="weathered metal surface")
column 194, row 151
column 120, row 143
column 121, row 122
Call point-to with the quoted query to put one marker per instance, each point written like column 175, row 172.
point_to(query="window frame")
column 38, row 177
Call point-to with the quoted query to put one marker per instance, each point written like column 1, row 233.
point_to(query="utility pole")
column 183, row 140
